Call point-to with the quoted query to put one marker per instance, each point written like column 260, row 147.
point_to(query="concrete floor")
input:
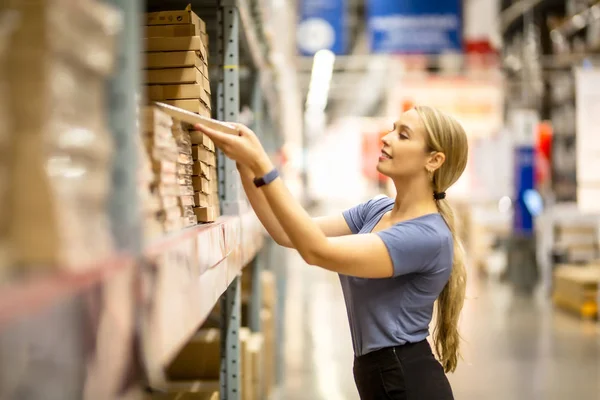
column 514, row 348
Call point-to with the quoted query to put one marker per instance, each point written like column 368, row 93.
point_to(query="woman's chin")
column 381, row 169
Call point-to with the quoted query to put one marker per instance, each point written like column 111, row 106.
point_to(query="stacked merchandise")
column 5, row 32
column 169, row 146
column 61, row 54
column 177, row 60
column 150, row 202
column 205, row 182
column 184, row 173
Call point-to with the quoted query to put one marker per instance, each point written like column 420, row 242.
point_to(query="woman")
column 395, row 257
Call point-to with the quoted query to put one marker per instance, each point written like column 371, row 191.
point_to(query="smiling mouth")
column 385, row 155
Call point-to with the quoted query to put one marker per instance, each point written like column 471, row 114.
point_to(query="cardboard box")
column 181, row 30
column 164, row 167
column 202, row 199
column 184, row 180
column 200, row 358
column 199, row 138
column 192, row 43
column 200, row 153
column 167, row 179
column 175, row 59
column 158, row 143
column 205, row 39
column 152, row 117
column 185, row 159
column 201, row 184
column 172, row 225
column 165, row 154
column 213, row 173
column 177, row 17
column 176, row 92
column 166, row 190
column 186, row 201
column 206, row 214
column 206, row 83
column 189, row 220
column 183, row 169
column 167, row 202
column 201, row 169
column 170, row 214
column 174, row 76
column 193, row 105
column 186, row 190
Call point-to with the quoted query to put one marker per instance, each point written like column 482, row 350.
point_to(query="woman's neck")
column 414, row 198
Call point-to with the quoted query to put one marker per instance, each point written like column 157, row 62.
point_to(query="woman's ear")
column 435, row 160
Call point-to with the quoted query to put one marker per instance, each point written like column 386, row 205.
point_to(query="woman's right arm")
column 332, row 226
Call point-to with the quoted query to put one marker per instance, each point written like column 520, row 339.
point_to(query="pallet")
column 576, row 289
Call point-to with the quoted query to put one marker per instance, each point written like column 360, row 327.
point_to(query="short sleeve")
column 356, row 216
column 412, row 247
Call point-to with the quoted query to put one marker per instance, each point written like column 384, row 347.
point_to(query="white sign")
column 524, row 123
column 588, row 139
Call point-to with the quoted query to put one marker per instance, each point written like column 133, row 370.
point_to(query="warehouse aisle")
column 514, row 348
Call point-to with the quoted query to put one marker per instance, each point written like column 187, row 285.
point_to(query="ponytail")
column 450, row 302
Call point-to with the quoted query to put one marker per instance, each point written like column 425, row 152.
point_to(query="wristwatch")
column 266, row 179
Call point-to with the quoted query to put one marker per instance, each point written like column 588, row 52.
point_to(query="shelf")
column 188, row 272
column 577, row 21
column 32, row 295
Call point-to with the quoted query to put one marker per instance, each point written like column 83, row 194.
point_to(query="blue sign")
column 524, row 184
column 322, row 26
column 415, row 26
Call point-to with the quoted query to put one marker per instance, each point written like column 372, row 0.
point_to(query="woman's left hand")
column 245, row 148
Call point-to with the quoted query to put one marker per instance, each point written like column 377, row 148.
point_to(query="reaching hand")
column 245, row 148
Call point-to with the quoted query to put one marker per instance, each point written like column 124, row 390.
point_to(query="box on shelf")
column 204, row 155
column 176, row 59
column 190, row 43
column 57, row 190
column 174, row 76
column 172, row 30
column 177, row 17
column 175, row 92
column 576, row 288
column 200, row 358
column 206, row 214
column 193, row 105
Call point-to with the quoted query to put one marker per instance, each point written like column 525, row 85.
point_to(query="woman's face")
column 404, row 151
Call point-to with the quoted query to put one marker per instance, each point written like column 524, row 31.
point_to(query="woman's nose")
column 386, row 139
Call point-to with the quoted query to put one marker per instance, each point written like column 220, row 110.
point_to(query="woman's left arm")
column 363, row 255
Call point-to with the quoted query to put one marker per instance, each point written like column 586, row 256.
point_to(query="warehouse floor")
column 514, row 348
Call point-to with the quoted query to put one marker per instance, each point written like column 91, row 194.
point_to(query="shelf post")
column 123, row 98
column 228, row 106
column 228, row 102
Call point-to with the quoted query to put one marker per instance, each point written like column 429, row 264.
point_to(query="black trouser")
column 408, row 372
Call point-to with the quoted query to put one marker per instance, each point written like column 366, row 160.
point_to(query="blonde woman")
column 395, row 257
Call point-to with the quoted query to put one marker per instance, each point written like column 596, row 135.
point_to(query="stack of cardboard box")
column 177, row 60
column 150, row 203
column 161, row 146
column 4, row 153
column 205, row 182
column 61, row 53
column 184, row 173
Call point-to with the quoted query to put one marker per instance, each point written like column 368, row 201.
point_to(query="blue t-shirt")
column 394, row 311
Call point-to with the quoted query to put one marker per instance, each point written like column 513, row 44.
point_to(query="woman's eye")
column 403, row 136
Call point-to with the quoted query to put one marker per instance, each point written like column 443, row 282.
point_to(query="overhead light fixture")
column 320, row 79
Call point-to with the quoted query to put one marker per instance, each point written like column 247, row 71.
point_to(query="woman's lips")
column 384, row 156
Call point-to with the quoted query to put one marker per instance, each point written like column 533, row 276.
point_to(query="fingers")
column 216, row 136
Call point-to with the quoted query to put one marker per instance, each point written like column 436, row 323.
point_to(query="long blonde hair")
column 446, row 135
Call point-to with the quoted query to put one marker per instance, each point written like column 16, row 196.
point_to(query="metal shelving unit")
column 94, row 334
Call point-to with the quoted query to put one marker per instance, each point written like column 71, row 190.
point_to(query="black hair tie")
column 439, row 196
